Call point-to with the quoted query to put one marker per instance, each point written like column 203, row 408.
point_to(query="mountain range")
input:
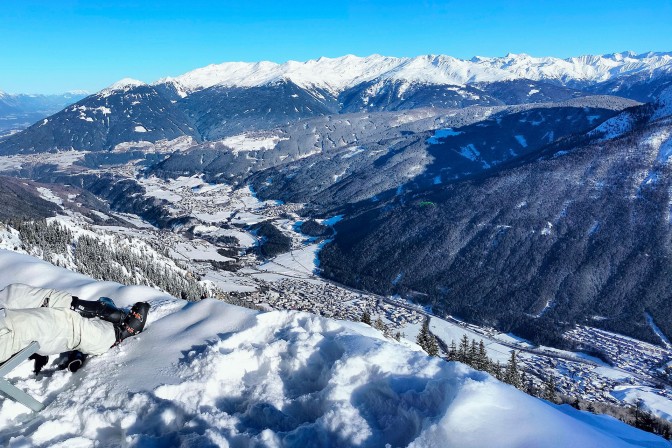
column 524, row 193
column 217, row 101
column 18, row 111
column 575, row 232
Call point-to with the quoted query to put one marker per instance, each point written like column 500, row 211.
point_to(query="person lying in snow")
column 61, row 322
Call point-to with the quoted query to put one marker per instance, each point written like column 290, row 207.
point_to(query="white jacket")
column 34, row 314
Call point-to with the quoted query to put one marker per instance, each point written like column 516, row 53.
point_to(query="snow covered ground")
column 212, row 374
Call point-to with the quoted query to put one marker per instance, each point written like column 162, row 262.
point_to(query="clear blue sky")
column 49, row 46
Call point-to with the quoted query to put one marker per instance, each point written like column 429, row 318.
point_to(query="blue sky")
column 52, row 46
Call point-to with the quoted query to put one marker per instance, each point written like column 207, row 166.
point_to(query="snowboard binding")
column 126, row 323
column 133, row 323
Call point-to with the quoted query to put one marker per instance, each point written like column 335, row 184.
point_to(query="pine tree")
column 512, row 374
column 427, row 341
column 452, row 351
column 550, row 392
column 379, row 325
column 432, row 346
column 530, row 387
column 497, row 370
column 366, row 317
column 421, row 339
column 482, row 358
column 463, row 351
column 473, row 353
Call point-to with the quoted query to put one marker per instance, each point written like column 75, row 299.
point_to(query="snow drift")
column 212, row 374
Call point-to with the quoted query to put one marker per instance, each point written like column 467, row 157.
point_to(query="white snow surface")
column 338, row 74
column 251, row 142
column 656, row 404
column 212, row 374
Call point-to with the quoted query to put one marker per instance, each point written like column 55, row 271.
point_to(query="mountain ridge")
column 432, row 69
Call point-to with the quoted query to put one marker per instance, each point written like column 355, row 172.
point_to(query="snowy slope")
column 664, row 104
column 338, row 74
column 211, row 374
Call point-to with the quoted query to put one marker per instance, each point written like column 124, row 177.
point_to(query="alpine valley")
column 520, row 201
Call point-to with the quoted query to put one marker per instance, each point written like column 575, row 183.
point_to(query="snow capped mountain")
column 333, row 75
column 227, row 99
column 18, row 111
column 338, row 74
column 122, row 85
column 212, row 374
column 77, row 93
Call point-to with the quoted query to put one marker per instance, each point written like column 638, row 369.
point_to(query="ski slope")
column 212, row 374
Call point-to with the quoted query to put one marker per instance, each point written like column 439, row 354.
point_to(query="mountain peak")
column 77, row 92
column 124, row 84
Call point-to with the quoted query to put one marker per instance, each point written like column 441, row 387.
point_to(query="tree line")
column 120, row 261
column 475, row 355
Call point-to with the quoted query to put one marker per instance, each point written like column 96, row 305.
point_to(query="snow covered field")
column 211, row 374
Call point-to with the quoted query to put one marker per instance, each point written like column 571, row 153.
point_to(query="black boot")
column 133, row 323
column 102, row 308
column 75, row 361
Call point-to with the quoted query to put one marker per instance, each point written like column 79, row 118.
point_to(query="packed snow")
column 212, row 374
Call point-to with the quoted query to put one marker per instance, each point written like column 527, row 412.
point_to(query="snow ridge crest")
column 338, row 74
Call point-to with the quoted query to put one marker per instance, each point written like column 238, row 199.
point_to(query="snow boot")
column 75, row 361
column 40, row 362
column 103, row 308
column 133, row 323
